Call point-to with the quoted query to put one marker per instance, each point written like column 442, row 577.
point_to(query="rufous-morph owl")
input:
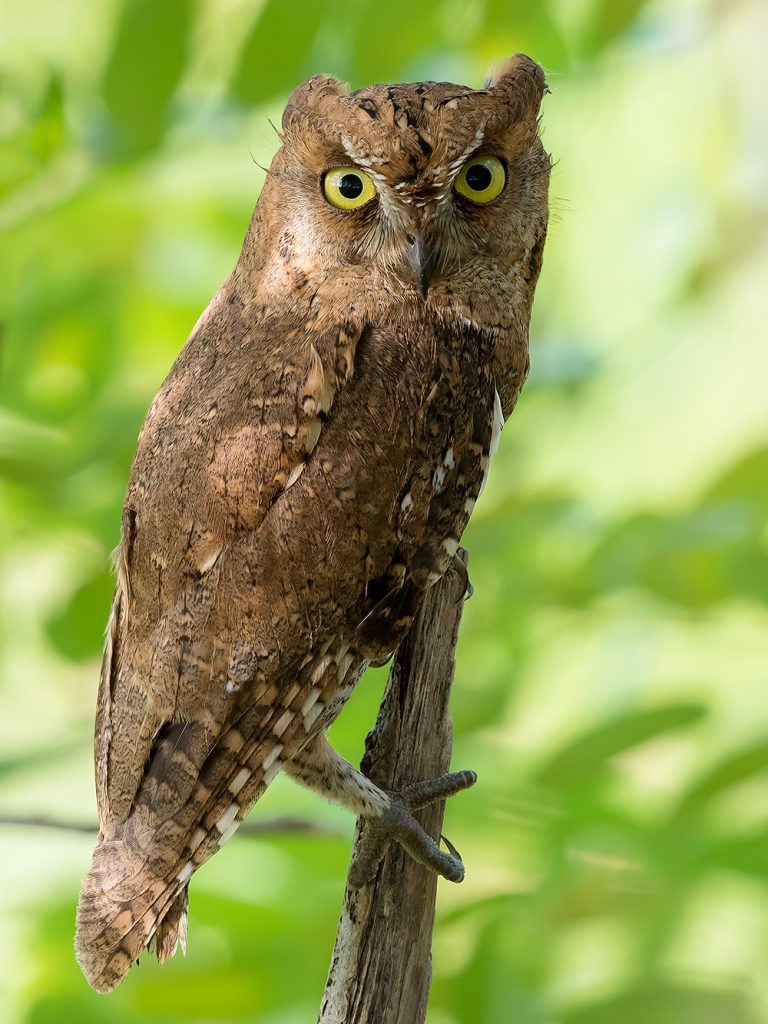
column 304, row 476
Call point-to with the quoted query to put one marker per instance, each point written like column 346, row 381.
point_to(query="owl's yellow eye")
column 481, row 179
column 348, row 188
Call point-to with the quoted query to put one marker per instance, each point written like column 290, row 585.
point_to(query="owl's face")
column 427, row 193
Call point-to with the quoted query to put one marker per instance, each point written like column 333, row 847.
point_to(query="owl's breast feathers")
column 294, row 493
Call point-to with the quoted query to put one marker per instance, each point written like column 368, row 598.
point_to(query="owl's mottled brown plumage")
column 304, row 475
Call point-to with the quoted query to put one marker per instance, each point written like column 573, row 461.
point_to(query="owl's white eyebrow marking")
column 455, row 165
column 359, row 156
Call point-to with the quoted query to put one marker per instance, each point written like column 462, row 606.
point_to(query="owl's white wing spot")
column 320, row 669
column 312, row 696
column 196, row 839
column 313, row 435
column 498, row 423
column 272, row 756
column 283, row 722
column 311, row 716
column 344, row 665
column 209, row 562
column 186, row 872
column 227, row 834
column 239, row 781
column 438, row 479
column 227, row 818
column 294, row 475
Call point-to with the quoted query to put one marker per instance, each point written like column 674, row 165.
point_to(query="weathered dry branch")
column 381, row 967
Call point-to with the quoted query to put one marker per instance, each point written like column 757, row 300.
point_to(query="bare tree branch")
column 381, row 966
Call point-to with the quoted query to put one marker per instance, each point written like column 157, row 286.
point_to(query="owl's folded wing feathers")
column 179, row 737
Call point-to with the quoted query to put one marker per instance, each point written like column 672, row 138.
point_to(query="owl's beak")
column 421, row 260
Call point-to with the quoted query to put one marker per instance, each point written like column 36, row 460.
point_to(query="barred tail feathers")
column 136, row 891
column 121, row 910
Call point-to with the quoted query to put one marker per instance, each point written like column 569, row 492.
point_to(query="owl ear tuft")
column 521, row 81
column 313, row 96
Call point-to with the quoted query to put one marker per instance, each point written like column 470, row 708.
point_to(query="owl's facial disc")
column 432, row 191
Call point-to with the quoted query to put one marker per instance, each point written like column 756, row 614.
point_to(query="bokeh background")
column 611, row 684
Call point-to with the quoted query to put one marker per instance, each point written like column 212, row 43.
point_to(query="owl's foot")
column 397, row 822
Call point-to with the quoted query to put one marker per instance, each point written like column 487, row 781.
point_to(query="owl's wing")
column 228, row 434
column 237, row 419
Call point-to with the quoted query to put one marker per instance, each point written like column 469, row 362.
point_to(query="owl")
column 304, row 476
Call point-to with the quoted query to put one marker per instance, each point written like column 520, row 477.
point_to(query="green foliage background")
column 612, row 668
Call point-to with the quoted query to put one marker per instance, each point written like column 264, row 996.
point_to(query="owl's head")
column 422, row 193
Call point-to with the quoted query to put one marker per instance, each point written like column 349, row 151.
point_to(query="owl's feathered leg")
column 388, row 814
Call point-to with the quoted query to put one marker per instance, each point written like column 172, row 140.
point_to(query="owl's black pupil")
column 351, row 186
column 479, row 177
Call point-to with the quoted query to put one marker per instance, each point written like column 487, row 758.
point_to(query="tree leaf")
column 586, row 755
column 146, row 64
column 275, row 56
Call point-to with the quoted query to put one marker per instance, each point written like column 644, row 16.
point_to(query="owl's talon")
column 460, row 568
column 452, row 849
column 398, row 823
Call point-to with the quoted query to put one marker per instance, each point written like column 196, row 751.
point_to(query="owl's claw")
column 460, row 568
column 398, row 823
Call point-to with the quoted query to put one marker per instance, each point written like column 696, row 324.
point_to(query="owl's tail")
column 123, row 911
column 136, row 891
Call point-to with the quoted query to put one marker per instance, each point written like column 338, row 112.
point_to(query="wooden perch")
column 381, row 966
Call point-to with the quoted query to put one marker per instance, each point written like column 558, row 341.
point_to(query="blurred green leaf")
column 746, row 855
column 738, row 766
column 275, row 56
column 146, row 65
column 19, row 763
column 77, row 632
column 515, row 27
column 586, row 755
column 607, row 21
column 24, row 442
column 664, row 1004
column 48, row 131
